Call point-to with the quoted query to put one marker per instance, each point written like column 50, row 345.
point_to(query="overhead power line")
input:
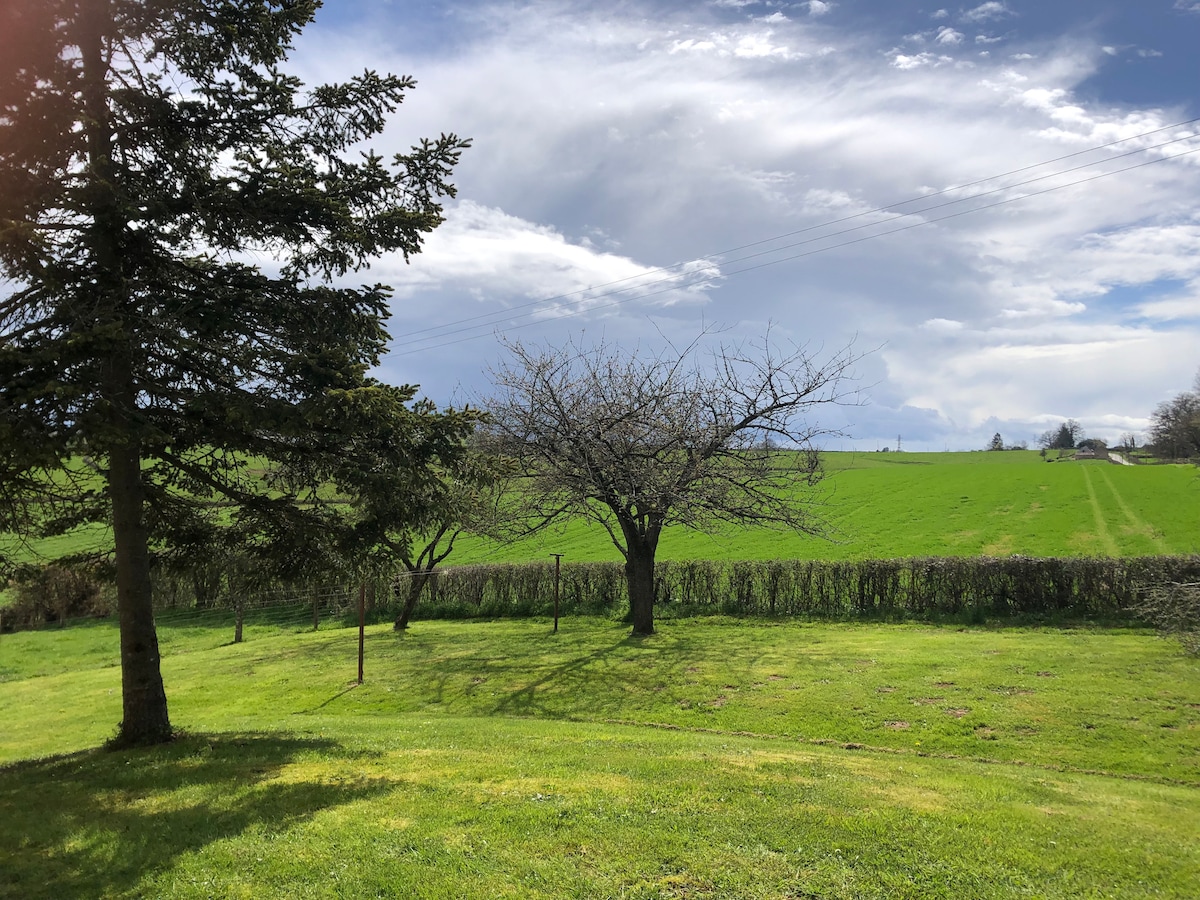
column 678, row 277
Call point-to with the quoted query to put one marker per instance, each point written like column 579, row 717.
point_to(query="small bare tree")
column 639, row 441
column 466, row 504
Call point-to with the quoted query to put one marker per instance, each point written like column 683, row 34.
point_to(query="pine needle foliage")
column 178, row 356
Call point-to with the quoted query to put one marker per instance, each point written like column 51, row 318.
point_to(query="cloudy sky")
column 979, row 195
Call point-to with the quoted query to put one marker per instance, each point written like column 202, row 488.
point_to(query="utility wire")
column 673, row 281
column 537, row 306
column 674, row 284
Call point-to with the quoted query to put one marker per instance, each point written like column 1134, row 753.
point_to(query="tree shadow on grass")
column 96, row 823
column 633, row 670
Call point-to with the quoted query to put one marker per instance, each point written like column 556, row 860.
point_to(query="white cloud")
column 818, row 7
column 1149, row 54
column 987, row 12
column 906, row 62
column 689, row 134
column 942, row 325
column 691, row 45
column 987, row 39
column 758, row 46
column 940, row 14
column 1183, row 307
column 500, row 259
column 776, row 17
column 947, row 35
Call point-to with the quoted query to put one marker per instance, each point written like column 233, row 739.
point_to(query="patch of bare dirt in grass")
column 983, row 732
column 943, row 684
column 957, row 711
column 898, row 725
column 885, row 689
column 1046, row 675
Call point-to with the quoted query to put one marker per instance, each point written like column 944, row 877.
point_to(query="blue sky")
column 637, row 144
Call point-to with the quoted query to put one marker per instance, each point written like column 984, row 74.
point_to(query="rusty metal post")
column 557, row 570
column 362, row 614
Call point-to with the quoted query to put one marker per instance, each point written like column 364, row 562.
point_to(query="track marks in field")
column 1108, row 545
column 1137, row 525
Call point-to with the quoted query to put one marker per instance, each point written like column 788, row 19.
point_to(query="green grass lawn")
column 717, row 758
column 891, row 505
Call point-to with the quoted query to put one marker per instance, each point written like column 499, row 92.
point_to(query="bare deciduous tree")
column 639, row 441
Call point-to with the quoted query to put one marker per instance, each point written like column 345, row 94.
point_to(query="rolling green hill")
column 887, row 505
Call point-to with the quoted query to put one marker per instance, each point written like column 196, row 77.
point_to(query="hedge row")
column 931, row 586
column 1095, row 588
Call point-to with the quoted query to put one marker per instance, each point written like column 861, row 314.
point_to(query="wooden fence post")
column 316, row 614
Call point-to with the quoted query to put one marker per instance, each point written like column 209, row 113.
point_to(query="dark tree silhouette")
column 149, row 151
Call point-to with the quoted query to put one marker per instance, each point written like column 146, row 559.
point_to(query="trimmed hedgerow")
column 928, row 586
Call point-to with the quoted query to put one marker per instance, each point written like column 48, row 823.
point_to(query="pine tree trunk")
column 144, row 701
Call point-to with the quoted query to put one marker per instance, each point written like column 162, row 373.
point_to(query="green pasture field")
column 894, row 505
column 718, row 758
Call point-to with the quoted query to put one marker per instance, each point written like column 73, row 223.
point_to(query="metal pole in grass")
column 316, row 614
column 362, row 615
column 557, row 570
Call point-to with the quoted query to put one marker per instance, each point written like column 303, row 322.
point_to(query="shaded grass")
column 717, row 758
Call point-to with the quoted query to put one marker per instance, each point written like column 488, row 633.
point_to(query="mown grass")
column 892, row 505
column 718, row 758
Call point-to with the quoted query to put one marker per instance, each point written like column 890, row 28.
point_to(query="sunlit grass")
column 891, row 505
column 718, row 758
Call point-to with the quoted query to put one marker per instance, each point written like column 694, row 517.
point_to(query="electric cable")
column 713, row 256
column 674, row 281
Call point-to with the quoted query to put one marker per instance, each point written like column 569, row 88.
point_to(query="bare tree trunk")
column 416, row 584
column 639, row 579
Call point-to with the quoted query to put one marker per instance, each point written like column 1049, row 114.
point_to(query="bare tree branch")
column 641, row 440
